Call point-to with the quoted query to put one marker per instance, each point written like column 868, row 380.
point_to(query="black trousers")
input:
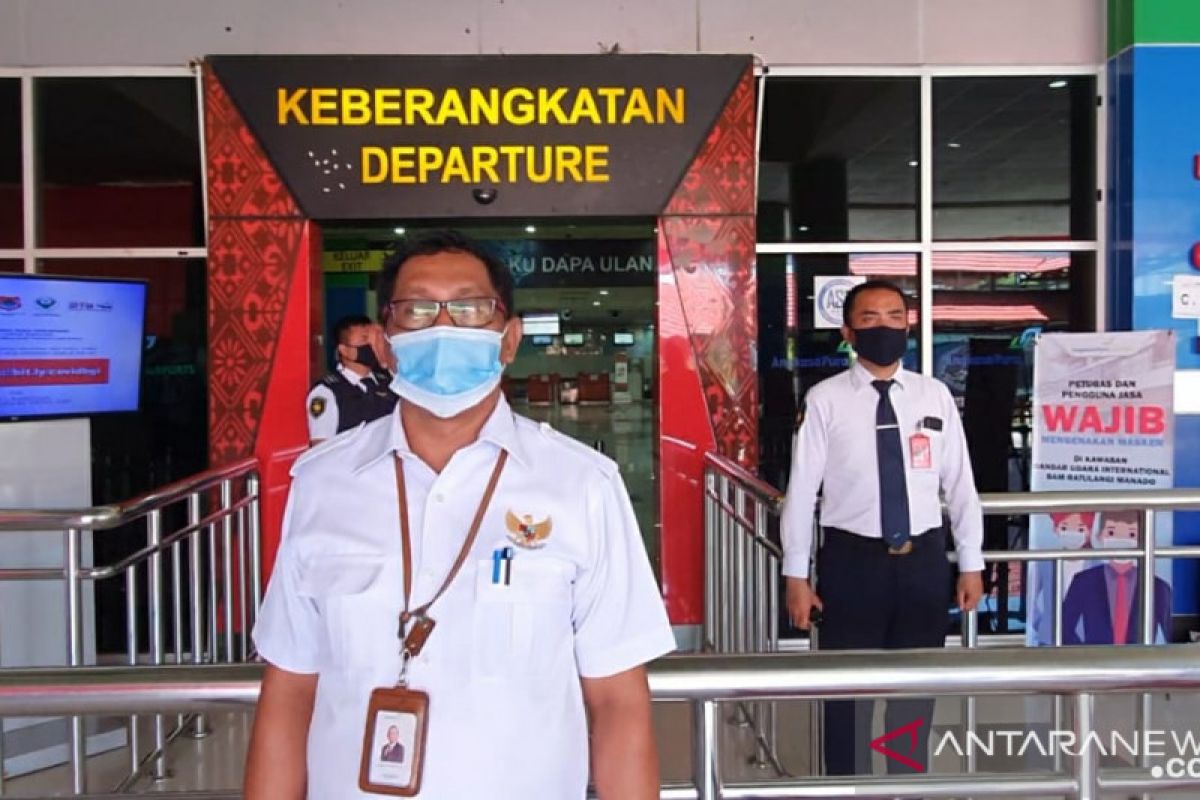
column 875, row 600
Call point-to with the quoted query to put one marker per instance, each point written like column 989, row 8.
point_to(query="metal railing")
column 743, row 560
column 205, row 527
column 710, row 681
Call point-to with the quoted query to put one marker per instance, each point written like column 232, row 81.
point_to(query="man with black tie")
column 880, row 444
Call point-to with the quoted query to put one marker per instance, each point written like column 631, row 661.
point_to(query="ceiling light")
column 399, row 231
column 595, row 302
column 530, row 229
column 604, row 291
column 802, row 228
column 954, row 145
column 1058, row 84
column 914, row 163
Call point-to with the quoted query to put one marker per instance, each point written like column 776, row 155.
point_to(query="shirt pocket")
column 357, row 608
column 523, row 627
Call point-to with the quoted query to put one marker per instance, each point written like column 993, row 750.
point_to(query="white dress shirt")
column 323, row 413
column 835, row 454
column 502, row 667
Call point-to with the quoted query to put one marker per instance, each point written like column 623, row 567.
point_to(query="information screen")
column 539, row 324
column 69, row 346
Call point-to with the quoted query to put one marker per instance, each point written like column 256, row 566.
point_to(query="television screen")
column 540, row 324
column 622, row 338
column 572, row 339
column 69, row 346
column 542, row 341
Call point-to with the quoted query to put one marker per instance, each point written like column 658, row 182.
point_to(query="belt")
column 876, row 543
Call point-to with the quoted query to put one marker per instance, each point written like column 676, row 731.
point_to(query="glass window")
column 799, row 333
column 1014, row 158
column 838, row 160
column 11, row 266
column 119, row 162
column 11, row 217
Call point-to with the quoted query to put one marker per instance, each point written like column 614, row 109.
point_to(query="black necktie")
column 893, row 489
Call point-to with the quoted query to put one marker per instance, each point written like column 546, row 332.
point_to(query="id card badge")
column 394, row 742
column 919, row 451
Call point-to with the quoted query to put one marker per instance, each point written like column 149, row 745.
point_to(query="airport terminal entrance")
column 586, row 297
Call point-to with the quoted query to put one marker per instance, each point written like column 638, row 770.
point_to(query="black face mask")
column 881, row 345
column 365, row 355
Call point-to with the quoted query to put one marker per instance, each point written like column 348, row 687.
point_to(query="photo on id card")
column 394, row 742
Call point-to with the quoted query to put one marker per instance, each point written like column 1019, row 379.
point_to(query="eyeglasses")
column 465, row 312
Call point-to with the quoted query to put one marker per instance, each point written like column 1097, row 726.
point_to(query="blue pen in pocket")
column 497, row 558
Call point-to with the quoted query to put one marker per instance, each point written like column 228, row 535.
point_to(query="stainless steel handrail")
column 706, row 680
column 113, row 516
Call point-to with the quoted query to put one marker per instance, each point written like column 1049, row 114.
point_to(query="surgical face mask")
column 365, row 355
column 1117, row 543
column 1072, row 540
column 881, row 345
column 446, row 370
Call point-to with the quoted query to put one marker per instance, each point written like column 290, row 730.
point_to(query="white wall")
column 793, row 32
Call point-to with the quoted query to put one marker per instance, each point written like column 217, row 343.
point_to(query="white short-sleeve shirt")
column 503, row 666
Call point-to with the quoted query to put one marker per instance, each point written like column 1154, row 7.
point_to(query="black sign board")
column 413, row 137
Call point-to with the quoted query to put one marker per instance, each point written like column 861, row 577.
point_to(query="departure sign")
column 436, row 136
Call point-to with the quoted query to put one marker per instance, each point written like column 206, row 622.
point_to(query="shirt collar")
column 860, row 378
column 349, row 375
column 499, row 430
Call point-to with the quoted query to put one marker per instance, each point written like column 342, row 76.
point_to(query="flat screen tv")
column 572, row 339
column 622, row 338
column 69, row 346
column 541, row 341
column 540, row 324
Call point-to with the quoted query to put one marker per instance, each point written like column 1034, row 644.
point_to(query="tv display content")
column 539, row 324
column 572, row 339
column 622, row 338
column 70, row 346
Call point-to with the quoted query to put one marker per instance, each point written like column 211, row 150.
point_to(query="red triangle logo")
column 910, row 729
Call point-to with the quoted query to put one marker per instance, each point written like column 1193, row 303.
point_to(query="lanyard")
column 422, row 624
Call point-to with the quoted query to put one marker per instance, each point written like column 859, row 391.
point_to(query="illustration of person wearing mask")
column 1101, row 606
column 1072, row 531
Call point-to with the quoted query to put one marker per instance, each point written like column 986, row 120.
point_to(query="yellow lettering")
column 387, row 103
column 374, row 165
column 428, row 160
column 611, row 95
column 638, row 107
column 531, row 160
column 323, row 101
column 585, row 106
column 452, row 106
column 595, row 163
column 402, row 159
column 456, row 166
column 485, row 106
column 569, row 158
column 485, row 160
column 551, row 104
column 521, row 114
column 670, row 107
column 512, row 151
column 356, row 107
column 288, row 105
column 419, row 101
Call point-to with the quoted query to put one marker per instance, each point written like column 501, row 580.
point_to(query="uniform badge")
column 317, row 407
column 524, row 532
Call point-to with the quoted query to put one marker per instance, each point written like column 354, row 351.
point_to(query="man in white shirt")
column 541, row 635
column 357, row 391
column 880, row 444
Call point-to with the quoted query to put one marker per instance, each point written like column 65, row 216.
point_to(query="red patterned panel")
column 250, row 265
column 241, row 181
column 721, row 178
column 708, row 329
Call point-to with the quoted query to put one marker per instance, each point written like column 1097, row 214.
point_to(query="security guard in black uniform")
column 357, row 391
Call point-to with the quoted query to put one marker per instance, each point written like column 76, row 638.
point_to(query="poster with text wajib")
column 1103, row 421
